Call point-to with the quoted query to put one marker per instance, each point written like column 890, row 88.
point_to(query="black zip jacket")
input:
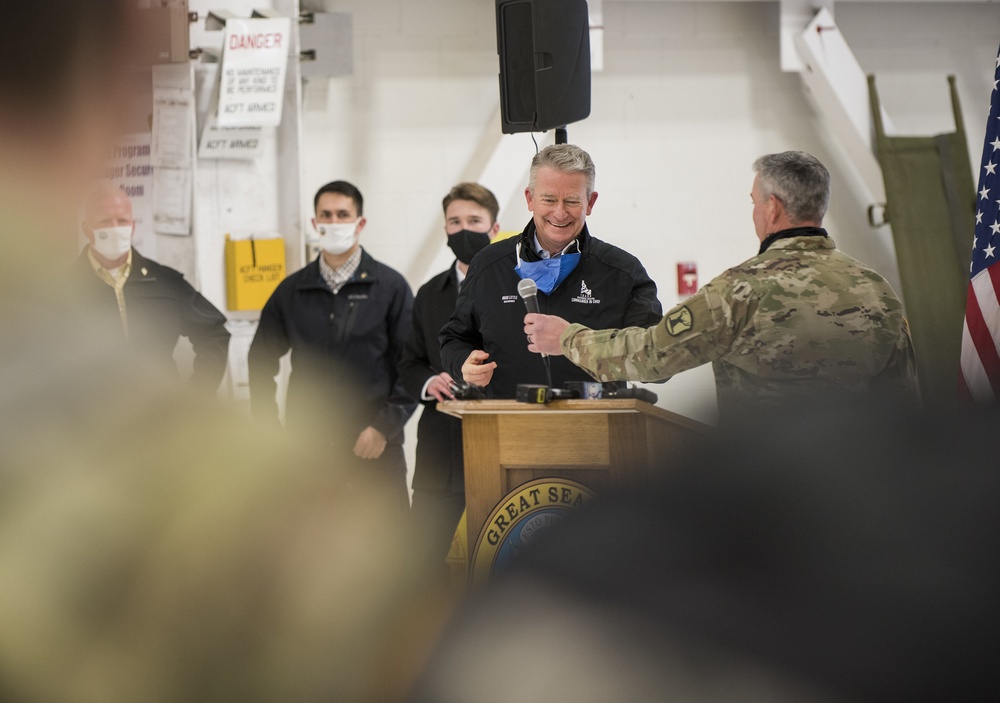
column 608, row 289
column 345, row 350
column 440, row 464
column 161, row 307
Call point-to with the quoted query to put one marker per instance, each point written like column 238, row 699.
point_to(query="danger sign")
column 254, row 65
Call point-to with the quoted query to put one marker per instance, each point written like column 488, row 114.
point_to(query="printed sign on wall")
column 254, row 64
column 217, row 142
column 130, row 168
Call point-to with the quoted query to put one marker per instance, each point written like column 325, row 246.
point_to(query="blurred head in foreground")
column 63, row 96
column 826, row 554
column 153, row 548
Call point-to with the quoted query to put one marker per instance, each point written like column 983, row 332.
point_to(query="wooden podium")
column 600, row 443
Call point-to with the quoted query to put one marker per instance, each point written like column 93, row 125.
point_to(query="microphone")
column 528, row 290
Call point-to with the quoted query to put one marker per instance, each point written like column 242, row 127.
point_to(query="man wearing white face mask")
column 345, row 318
column 150, row 303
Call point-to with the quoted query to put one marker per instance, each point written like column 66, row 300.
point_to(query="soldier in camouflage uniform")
column 800, row 319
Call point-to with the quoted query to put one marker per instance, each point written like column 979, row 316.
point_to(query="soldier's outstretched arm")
column 697, row 331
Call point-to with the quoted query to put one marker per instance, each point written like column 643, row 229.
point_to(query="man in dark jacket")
column 152, row 304
column 345, row 318
column 578, row 276
column 470, row 214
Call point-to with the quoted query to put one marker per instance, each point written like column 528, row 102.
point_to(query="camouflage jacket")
column 802, row 318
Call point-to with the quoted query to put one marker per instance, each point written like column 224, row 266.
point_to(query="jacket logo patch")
column 357, row 296
column 680, row 322
column 508, row 299
column 586, row 296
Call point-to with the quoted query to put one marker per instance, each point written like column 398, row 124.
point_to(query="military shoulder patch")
column 680, row 322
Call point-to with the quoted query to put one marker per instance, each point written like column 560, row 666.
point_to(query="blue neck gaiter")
column 547, row 273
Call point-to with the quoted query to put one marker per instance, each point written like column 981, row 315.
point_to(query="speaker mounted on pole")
column 544, row 48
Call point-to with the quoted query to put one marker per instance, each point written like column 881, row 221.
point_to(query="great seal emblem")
column 519, row 518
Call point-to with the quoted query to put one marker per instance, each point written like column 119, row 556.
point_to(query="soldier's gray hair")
column 566, row 158
column 798, row 180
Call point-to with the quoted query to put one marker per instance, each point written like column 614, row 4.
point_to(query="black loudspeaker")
column 544, row 48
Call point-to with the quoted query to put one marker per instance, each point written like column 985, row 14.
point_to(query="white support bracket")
column 796, row 14
column 266, row 13
column 839, row 88
column 215, row 20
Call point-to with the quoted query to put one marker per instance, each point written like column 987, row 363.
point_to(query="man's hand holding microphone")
column 543, row 332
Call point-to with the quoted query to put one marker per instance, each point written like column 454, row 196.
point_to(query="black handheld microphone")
column 528, row 290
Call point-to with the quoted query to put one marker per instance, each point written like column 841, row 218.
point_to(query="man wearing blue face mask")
column 579, row 275
column 344, row 317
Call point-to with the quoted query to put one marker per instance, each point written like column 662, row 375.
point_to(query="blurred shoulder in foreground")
column 820, row 554
column 154, row 547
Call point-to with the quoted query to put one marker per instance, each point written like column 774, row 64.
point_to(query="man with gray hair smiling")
column 577, row 276
column 798, row 320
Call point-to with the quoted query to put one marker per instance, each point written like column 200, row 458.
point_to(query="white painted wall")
column 690, row 94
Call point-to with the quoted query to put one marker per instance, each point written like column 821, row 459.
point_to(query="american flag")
column 980, row 379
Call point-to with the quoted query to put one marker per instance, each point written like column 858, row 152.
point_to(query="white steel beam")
column 839, row 88
column 796, row 14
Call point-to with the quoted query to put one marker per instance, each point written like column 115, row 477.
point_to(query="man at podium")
column 577, row 276
column 797, row 320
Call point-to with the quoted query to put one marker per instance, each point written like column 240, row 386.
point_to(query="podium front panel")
column 601, row 444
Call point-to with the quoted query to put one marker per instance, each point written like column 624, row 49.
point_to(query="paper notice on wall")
column 232, row 142
column 173, row 127
column 242, row 333
column 254, row 64
column 172, row 200
column 172, row 154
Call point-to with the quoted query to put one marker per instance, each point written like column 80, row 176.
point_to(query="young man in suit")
column 470, row 213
